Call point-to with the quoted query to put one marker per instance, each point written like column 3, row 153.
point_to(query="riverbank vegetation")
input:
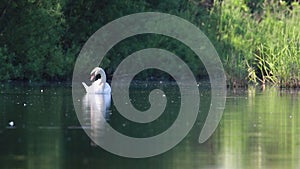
column 257, row 41
column 264, row 42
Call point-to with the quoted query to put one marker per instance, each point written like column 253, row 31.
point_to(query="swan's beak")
column 92, row 77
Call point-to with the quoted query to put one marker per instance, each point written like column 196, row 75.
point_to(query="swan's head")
column 96, row 73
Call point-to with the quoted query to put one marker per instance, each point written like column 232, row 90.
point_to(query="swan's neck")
column 103, row 76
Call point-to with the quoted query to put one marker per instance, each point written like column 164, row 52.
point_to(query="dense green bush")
column 7, row 69
column 32, row 31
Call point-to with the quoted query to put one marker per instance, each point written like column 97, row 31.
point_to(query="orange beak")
column 92, row 77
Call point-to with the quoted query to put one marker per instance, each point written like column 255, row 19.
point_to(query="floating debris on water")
column 24, row 104
column 42, row 90
column 11, row 124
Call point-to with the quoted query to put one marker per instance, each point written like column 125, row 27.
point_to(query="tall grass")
column 264, row 46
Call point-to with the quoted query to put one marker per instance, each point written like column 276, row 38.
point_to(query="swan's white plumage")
column 98, row 86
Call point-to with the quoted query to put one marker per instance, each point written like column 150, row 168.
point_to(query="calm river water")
column 39, row 129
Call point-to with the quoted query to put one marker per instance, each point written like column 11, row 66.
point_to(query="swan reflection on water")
column 95, row 114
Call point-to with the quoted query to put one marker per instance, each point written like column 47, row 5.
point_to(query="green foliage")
column 256, row 40
column 7, row 69
column 263, row 48
column 33, row 34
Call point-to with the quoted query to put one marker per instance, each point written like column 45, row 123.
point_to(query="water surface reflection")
column 95, row 114
column 259, row 129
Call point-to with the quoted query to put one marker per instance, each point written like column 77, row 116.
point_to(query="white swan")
column 99, row 85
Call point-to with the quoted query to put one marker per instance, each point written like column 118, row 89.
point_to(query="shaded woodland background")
column 258, row 41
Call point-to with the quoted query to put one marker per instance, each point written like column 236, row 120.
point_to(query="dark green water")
column 259, row 129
